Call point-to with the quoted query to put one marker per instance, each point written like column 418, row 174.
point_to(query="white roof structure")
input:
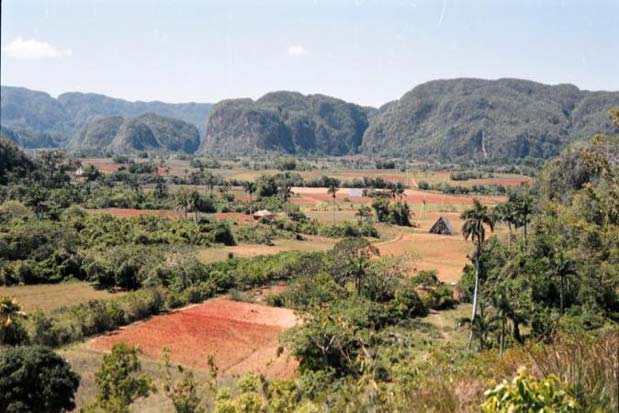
column 263, row 213
column 357, row 192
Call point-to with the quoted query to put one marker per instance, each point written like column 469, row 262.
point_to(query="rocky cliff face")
column 285, row 121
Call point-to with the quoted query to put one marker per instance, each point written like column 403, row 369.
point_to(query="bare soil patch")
column 129, row 212
column 104, row 165
column 236, row 216
column 241, row 336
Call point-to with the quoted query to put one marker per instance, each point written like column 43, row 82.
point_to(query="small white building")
column 264, row 213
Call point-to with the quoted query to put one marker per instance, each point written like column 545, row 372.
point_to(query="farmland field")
column 241, row 336
column 53, row 296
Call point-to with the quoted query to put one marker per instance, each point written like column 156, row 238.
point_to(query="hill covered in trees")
column 287, row 122
column 495, row 120
column 488, row 119
column 35, row 119
column 505, row 120
column 148, row 132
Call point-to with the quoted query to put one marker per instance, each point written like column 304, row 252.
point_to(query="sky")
column 367, row 52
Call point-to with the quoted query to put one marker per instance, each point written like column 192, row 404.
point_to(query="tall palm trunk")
column 333, row 210
column 561, row 288
column 502, row 343
column 475, row 294
column 251, row 205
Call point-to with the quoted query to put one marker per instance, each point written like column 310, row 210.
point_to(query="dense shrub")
column 35, row 380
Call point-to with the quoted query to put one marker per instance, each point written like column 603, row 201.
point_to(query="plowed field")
column 241, row 336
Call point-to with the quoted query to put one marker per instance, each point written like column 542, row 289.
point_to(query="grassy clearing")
column 49, row 297
column 310, row 244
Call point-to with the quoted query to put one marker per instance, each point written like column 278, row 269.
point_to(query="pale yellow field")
column 49, row 297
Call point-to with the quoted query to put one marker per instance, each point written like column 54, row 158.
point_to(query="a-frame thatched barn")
column 442, row 226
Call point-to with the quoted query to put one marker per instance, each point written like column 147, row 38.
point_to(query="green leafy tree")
column 35, row 380
column 183, row 201
column 351, row 260
column 474, row 228
column 506, row 212
column 185, row 393
column 161, row 188
column 527, row 394
column 118, row 381
column 285, row 190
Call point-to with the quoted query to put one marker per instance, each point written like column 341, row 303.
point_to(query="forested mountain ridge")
column 288, row 122
column 505, row 120
column 35, row 119
column 488, row 119
column 496, row 120
column 148, row 132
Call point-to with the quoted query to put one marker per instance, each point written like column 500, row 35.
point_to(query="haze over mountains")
column 498, row 120
column 35, row 119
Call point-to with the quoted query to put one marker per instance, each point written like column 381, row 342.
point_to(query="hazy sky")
column 368, row 52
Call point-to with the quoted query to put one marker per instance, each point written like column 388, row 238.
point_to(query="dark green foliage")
column 35, row 380
column 434, row 294
column 14, row 164
column 397, row 213
column 111, row 252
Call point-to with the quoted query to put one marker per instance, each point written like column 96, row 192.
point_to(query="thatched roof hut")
column 442, row 226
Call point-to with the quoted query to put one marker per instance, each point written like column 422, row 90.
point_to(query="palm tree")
column 563, row 268
column 183, row 201
column 224, row 189
column 285, row 190
column 211, row 181
column 506, row 212
column 333, row 188
column 9, row 311
column 524, row 210
column 250, row 188
column 399, row 190
column 475, row 220
column 504, row 312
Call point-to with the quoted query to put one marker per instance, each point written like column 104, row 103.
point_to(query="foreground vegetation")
column 542, row 334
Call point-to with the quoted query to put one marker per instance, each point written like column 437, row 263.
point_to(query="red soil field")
column 104, row 165
column 241, row 336
column 128, row 212
column 237, row 216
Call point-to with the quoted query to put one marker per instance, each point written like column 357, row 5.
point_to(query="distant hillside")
column 148, row 132
column 35, row 119
column 83, row 107
column 502, row 119
column 505, row 120
column 287, row 122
